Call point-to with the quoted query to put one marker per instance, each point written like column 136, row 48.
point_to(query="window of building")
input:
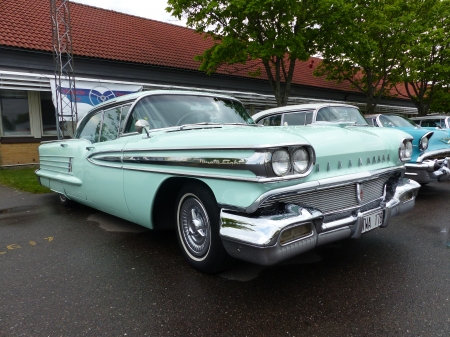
column 14, row 111
column 48, row 114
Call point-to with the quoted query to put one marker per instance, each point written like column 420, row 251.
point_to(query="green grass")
column 22, row 179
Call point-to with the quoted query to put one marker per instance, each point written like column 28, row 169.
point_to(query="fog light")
column 294, row 233
column 406, row 196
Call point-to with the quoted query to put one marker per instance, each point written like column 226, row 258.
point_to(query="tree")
column 426, row 70
column 276, row 32
column 441, row 100
column 365, row 43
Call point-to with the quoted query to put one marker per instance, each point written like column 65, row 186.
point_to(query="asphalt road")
column 80, row 272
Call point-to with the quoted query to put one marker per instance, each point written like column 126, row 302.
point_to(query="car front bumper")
column 429, row 171
column 260, row 239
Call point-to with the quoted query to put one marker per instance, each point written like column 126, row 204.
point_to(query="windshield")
column 163, row 111
column 396, row 121
column 340, row 114
column 434, row 123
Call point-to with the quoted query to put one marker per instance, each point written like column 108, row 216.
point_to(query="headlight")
column 300, row 160
column 405, row 150
column 423, row 144
column 281, row 162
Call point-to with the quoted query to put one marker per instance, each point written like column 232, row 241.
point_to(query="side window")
column 111, row 122
column 271, row 121
column 91, row 130
column 296, row 118
column 146, row 109
column 309, row 117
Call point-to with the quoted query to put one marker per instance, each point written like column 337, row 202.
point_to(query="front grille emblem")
column 359, row 193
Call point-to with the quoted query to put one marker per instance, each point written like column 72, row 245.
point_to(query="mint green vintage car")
column 231, row 189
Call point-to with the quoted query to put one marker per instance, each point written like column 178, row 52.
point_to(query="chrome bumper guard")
column 267, row 240
column 429, row 170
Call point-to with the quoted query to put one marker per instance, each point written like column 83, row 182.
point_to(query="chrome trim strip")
column 431, row 153
column 254, row 147
column 104, row 165
column 64, row 140
column 255, row 163
column 258, row 163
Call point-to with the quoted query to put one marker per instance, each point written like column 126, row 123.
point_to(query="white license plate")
column 372, row 221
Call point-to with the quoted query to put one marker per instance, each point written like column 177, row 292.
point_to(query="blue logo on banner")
column 94, row 96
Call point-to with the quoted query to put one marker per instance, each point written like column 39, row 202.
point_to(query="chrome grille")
column 438, row 156
column 56, row 164
column 334, row 199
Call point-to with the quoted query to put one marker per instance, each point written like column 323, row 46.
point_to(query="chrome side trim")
column 258, row 163
column 255, row 163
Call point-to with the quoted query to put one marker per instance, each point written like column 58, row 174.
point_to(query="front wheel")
column 198, row 225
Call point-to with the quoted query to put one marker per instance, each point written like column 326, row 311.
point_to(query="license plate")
column 372, row 221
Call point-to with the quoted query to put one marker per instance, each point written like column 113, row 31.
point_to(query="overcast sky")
column 151, row 9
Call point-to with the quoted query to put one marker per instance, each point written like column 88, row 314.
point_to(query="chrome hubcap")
column 194, row 227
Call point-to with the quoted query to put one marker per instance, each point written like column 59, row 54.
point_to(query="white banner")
column 90, row 94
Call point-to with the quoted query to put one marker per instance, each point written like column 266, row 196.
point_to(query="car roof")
column 130, row 97
column 430, row 117
column 289, row 108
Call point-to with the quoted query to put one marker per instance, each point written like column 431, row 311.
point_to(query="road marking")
column 50, row 238
column 13, row 246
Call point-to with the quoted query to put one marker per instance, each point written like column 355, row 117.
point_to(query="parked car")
column 433, row 121
column 431, row 148
column 197, row 163
column 317, row 113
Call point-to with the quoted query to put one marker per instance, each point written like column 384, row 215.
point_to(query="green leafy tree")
column 426, row 69
column 441, row 100
column 364, row 44
column 276, row 32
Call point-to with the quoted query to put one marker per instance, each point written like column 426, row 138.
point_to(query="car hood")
column 338, row 150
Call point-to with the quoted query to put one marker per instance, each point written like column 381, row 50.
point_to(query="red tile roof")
column 106, row 34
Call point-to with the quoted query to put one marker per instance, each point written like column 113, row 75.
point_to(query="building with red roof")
column 112, row 48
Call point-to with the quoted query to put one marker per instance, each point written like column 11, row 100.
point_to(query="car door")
column 102, row 171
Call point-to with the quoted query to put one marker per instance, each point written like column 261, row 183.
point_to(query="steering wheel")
column 186, row 117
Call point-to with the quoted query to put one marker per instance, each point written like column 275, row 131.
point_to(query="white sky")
column 151, row 9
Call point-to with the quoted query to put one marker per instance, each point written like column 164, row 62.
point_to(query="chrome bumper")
column 259, row 239
column 429, row 171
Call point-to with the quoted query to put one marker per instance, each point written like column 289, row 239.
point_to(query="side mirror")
column 140, row 125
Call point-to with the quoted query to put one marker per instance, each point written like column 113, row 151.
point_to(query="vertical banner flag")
column 90, row 94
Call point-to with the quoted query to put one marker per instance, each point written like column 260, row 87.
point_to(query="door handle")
column 64, row 145
column 90, row 148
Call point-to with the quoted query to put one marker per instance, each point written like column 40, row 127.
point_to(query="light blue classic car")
column 197, row 163
column 431, row 148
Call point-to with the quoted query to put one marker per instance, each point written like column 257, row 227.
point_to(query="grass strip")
column 22, row 179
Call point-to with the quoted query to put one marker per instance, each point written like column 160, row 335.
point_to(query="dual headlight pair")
column 405, row 150
column 291, row 161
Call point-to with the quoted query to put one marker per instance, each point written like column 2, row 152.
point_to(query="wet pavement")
column 79, row 272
